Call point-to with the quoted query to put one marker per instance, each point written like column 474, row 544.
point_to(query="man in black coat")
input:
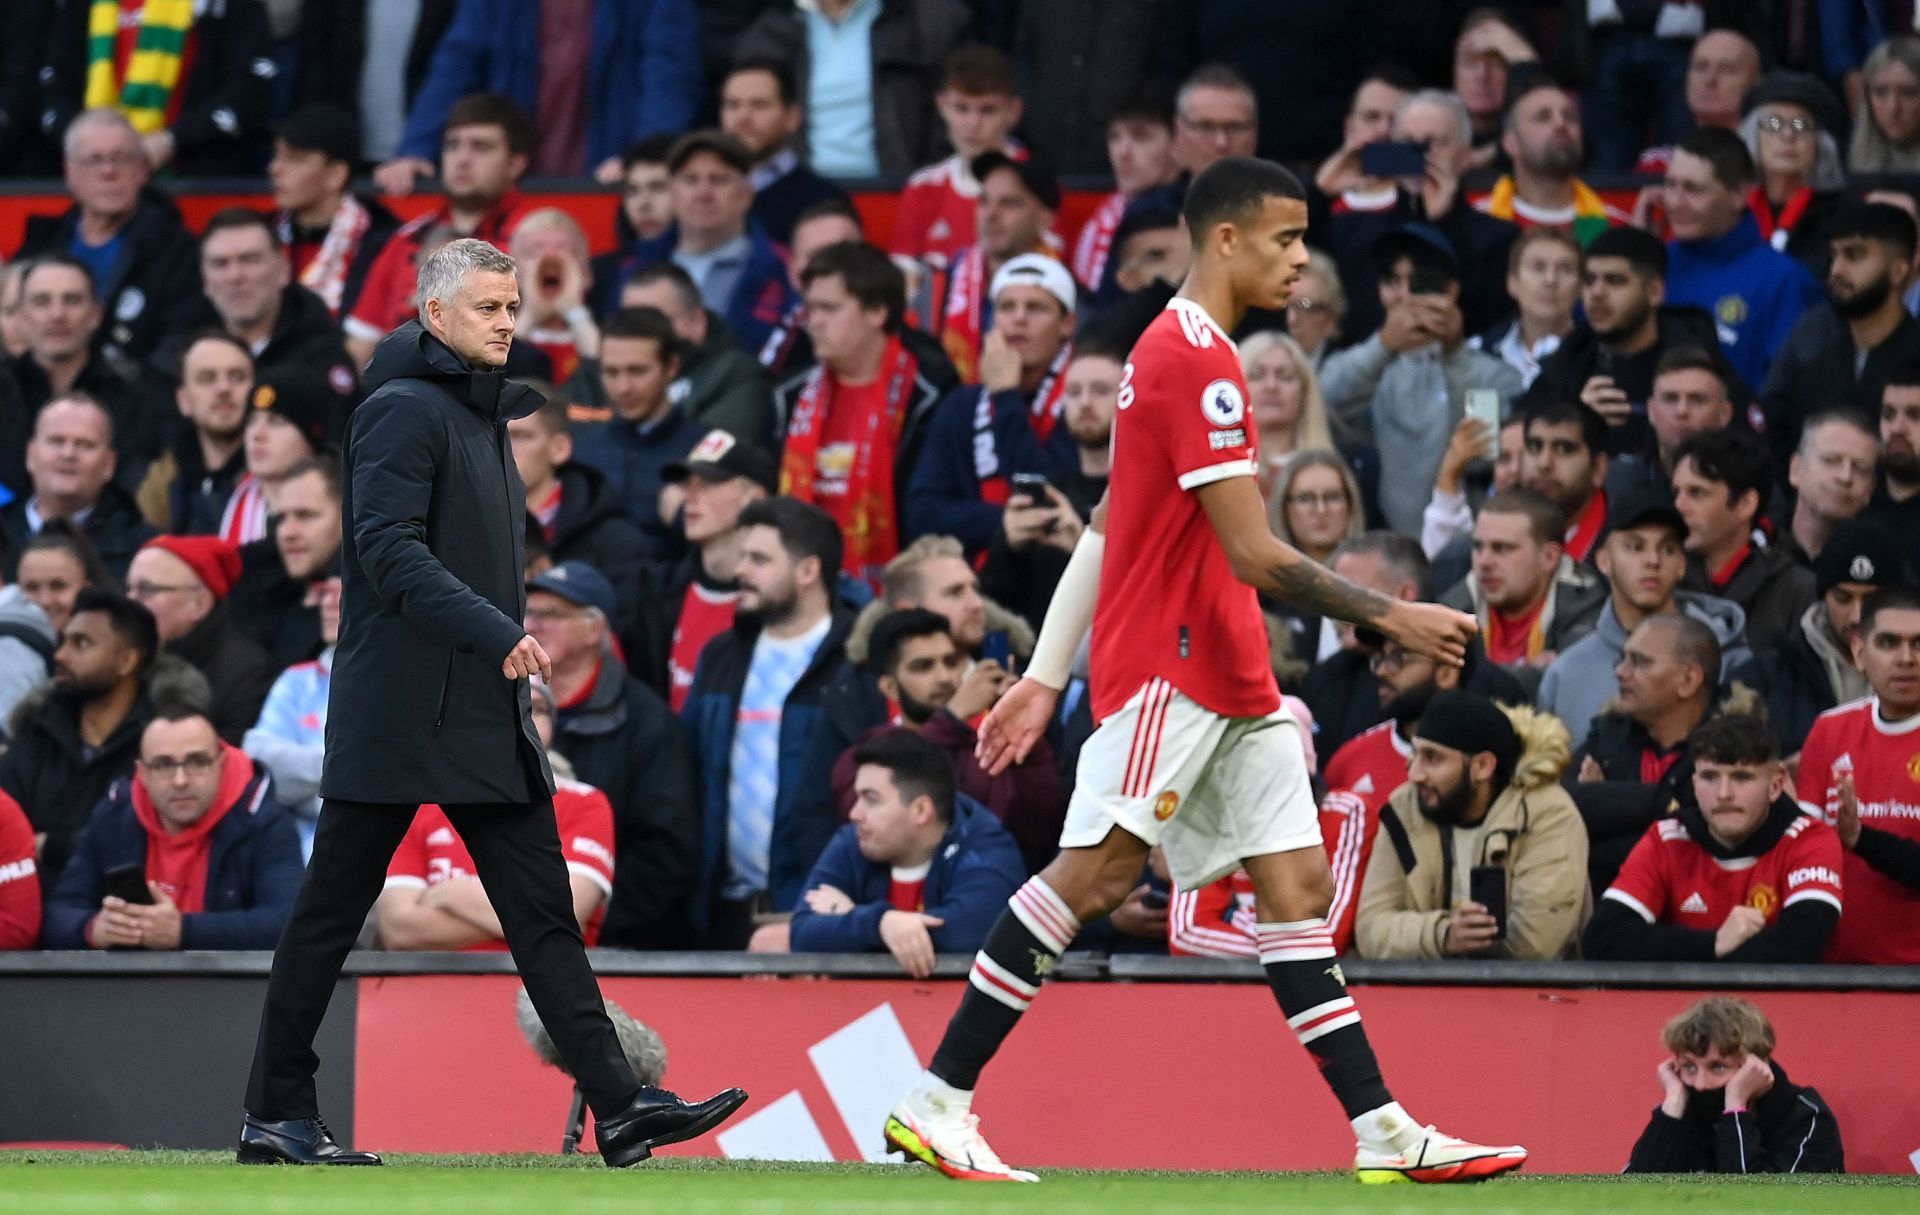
column 430, row 702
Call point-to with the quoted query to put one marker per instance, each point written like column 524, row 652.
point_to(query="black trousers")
column 516, row 849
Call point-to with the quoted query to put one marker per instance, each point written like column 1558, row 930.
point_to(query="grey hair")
column 1215, row 76
column 1447, row 101
column 447, row 267
column 99, row 116
column 1827, row 172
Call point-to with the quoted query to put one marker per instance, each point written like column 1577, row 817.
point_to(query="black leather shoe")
column 294, row 1141
column 656, row 1118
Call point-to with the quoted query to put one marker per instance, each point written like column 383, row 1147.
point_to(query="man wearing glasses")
column 193, row 853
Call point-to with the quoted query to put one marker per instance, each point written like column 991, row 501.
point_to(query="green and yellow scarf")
column 1589, row 209
column 153, row 71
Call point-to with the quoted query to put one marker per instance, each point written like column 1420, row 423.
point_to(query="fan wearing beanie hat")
column 286, row 423
column 184, row 581
column 1810, row 669
column 1481, row 817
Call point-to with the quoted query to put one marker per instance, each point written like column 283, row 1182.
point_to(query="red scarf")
column 245, row 518
column 1777, row 232
column 1509, row 639
column 1720, row 577
column 177, row 863
column 1586, row 529
column 961, row 318
column 1043, row 411
column 326, row 273
column 872, row 532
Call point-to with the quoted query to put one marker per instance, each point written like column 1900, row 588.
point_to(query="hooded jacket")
column 625, row 741
column 1799, row 682
column 238, row 672
column 1573, row 605
column 1770, row 586
column 56, row 777
column 1531, row 830
column 1819, row 368
column 253, row 867
column 26, row 649
column 593, row 526
column 1581, row 681
column 946, row 496
column 159, row 266
column 630, row 457
column 973, row 872
column 1755, row 292
column 432, row 589
column 1788, row 1129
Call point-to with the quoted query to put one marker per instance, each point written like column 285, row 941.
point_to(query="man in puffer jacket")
column 1481, row 793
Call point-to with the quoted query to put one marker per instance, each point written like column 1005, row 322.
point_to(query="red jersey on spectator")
column 558, row 345
column 1671, row 879
column 935, row 216
column 1169, row 605
column 432, row 852
column 19, row 879
column 386, row 300
column 704, row 615
column 1882, row 924
column 1360, row 777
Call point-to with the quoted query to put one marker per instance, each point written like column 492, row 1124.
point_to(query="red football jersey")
column 1361, row 776
column 935, row 217
column 704, row 615
column 1882, row 924
column 432, row 851
column 19, row 879
column 1670, row 879
column 1169, row 604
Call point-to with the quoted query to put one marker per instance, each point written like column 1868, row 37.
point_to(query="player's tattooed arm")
column 1305, row 584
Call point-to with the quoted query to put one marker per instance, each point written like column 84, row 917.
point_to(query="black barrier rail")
column 1075, row 967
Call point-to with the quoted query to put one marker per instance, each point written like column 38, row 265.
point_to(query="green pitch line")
column 205, row 1183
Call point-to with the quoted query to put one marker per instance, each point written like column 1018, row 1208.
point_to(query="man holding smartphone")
column 1482, row 853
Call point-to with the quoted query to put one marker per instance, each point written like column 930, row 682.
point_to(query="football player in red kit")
column 1193, row 750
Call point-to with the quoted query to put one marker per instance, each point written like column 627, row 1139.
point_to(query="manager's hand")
column 526, row 659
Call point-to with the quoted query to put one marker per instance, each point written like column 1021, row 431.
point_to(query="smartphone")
column 997, row 646
column 1158, row 900
column 129, row 884
column 1429, row 281
column 1484, row 404
column 1394, row 158
column 1487, row 886
column 1031, row 486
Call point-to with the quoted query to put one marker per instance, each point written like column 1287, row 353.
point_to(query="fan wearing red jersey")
column 19, row 878
column 1740, row 873
column 1192, row 750
column 1860, row 770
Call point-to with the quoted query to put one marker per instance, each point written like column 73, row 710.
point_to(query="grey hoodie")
column 22, row 668
column 1581, row 681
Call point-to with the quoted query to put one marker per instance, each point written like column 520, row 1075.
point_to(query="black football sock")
column 1019, row 952
column 1299, row 960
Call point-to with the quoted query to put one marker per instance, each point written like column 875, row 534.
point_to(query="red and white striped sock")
column 1298, row 957
column 1007, row 972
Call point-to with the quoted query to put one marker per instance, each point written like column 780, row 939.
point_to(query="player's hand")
column 1753, row 1080
column 1590, row 771
column 1430, row 630
column 1138, row 919
column 828, row 900
column 999, row 364
column 525, row 659
column 1741, row 925
column 1607, row 399
column 1016, row 723
column 980, row 690
column 397, row 176
column 1471, row 929
column 1846, row 819
column 906, row 937
column 1470, row 442
column 1673, row 1090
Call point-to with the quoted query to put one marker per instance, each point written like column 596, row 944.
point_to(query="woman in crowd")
column 1284, row 398
column 1886, row 130
column 1319, row 306
column 1788, row 127
column 56, row 565
column 1315, row 505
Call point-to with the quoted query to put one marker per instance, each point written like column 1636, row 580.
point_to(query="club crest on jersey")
column 1223, row 403
column 1913, row 767
column 1763, row 899
column 1165, row 805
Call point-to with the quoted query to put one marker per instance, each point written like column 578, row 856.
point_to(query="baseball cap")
column 1033, row 176
column 1643, row 504
column 323, row 128
column 1424, row 243
column 300, row 396
column 1036, row 270
column 579, row 584
column 1858, row 551
column 719, row 456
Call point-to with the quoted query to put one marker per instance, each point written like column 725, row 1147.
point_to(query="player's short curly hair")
column 1726, row 1022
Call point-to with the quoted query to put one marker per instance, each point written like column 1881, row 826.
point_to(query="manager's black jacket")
column 431, row 589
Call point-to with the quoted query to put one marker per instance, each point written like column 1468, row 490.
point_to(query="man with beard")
column 1480, row 794
column 1532, row 600
column 1727, row 1107
column 1740, row 874
column 86, row 734
column 753, row 712
column 1564, row 460
column 1841, row 354
column 188, row 489
column 1896, row 504
column 1810, row 669
column 1832, row 474
column 1609, row 360
column 1634, row 765
column 1543, row 141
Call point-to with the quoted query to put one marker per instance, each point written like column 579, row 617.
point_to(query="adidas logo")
column 1694, row 904
column 440, row 836
column 1364, row 784
column 1844, row 763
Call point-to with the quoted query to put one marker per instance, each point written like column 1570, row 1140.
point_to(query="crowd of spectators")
column 1607, row 338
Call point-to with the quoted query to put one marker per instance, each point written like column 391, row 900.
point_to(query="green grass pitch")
column 207, row 1183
